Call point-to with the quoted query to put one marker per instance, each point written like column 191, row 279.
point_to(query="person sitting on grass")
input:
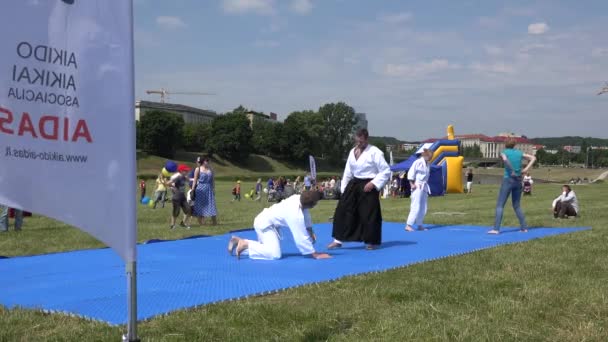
column 293, row 213
column 566, row 204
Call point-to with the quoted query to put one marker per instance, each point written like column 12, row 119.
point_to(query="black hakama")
column 358, row 216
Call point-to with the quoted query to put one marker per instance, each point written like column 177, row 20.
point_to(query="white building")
column 190, row 114
column 491, row 147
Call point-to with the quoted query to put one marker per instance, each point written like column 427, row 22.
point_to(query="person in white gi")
column 358, row 216
column 418, row 175
column 292, row 213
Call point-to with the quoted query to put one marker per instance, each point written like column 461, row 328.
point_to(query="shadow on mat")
column 384, row 245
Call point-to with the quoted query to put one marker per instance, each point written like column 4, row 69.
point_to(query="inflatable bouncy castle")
column 446, row 164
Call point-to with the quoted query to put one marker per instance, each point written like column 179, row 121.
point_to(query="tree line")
column 326, row 133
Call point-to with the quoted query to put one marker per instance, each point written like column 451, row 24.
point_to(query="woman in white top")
column 418, row 175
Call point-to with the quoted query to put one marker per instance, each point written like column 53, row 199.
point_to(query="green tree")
column 231, row 136
column 138, row 144
column 161, row 133
column 265, row 139
column 301, row 133
column 472, row 151
column 196, row 137
column 339, row 123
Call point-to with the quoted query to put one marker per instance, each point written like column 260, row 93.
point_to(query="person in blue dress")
column 511, row 184
column 204, row 192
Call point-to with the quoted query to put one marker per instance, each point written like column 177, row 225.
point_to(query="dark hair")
column 510, row 143
column 310, row 198
column 202, row 159
column 362, row 133
column 567, row 187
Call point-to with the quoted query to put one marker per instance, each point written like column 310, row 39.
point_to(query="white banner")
column 313, row 167
column 67, row 130
column 391, row 157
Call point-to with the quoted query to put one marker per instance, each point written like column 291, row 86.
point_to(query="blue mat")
column 187, row 273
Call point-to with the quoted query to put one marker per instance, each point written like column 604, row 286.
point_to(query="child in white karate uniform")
column 418, row 175
column 292, row 213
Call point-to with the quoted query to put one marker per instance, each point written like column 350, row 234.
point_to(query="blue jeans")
column 510, row 186
column 4, row 218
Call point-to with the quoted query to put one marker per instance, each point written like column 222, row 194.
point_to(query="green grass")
column 554, row 174
column 552, row 289
column 252, row 167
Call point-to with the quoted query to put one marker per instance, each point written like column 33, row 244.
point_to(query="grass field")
column 554, row 174
column 553, row 289
column 252, row 167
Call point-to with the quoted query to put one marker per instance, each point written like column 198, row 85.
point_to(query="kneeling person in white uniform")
column 292, row 213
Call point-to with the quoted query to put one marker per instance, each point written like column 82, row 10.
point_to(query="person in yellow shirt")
column 160, row 194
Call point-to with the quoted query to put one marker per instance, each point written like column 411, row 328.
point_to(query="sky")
column 414, row 67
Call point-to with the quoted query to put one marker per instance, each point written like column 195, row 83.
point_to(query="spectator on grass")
column 307, row 183
column 258, row 190
column 142, row 189
column 566, row 204
column 160, row 194
column 178, row 187
column 469, row 175
column 236, row 191
column 4, row 215
column 204, row 192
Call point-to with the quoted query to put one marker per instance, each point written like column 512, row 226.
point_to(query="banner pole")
column 131, row 266
column 131, row 269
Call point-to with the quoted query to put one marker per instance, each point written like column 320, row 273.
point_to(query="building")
column 573, row 149
column 191, row 115
column 251, row 115
column 361, row 121
column 409, row 146
column 491, row 147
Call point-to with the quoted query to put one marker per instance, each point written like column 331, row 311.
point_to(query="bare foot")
column 241, row 247
column 494, row 232
column 334, row 245
column 409, row 228
column 234, row 240
column 321, row 256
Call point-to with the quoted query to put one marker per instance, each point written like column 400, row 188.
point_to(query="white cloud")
column 495, row 68
column 493, row 50
column 599, row 52
column 538, row 28
column 266, row 43
column 396, row 18
column 264, row 7
column 170, row 23
column 302, row 6
column 418, row 69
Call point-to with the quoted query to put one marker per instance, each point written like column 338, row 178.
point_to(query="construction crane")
column 604, row 90
column 164, row 93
